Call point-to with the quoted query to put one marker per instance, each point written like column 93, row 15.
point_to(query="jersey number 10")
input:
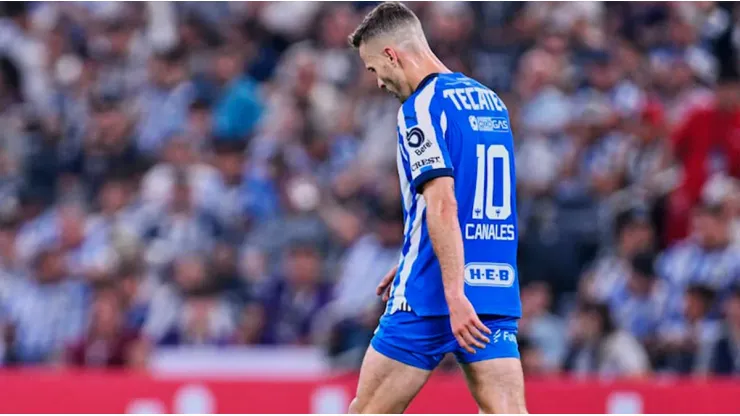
column 492, row 183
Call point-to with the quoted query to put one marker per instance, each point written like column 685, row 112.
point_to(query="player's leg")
column 386, row 385
column 494, row 374
column 497, row 385
column 402, row 354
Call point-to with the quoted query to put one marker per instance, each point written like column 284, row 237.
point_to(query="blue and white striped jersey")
column 687, row 263
column 46, row 317
column 639, row 315
column 454, row 126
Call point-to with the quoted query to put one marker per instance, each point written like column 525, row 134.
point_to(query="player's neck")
column 426, row 65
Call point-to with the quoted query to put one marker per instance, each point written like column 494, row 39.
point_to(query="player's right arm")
column 384, row 287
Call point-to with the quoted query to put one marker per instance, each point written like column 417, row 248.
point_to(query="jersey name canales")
column 454, row 126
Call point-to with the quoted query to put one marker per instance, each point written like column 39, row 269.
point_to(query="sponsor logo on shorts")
column 503, row 336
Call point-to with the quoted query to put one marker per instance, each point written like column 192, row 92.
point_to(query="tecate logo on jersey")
column 495, row 124
column 474, row 99
column 489, row 274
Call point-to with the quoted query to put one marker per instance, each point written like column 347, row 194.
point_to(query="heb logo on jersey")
column 496, row 124
column 425, row 162
column 489, row 274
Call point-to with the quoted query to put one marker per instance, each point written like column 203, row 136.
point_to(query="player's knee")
column 505, row 400
column 360, row 405
column 354, row 407
column 502, row 408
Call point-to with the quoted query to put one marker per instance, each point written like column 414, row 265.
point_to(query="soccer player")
column 455, row 288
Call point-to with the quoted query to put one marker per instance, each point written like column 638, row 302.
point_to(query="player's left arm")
column 425, row 149
column 446, row 235
column 444, row 231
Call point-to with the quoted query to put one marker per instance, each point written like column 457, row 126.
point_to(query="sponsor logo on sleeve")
column 415, row 137
column 425, row 162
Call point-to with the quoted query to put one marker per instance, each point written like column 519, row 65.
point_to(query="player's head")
column 392, row 45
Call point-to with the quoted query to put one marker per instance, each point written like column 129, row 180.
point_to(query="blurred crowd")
column 181, row 174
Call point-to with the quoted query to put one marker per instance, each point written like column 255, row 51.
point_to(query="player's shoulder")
column 462, row 94
column 456, row 80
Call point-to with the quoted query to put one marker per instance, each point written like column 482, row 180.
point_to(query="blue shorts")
column 423, row 341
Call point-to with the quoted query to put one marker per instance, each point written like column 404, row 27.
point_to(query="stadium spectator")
column 292, row 300
column 639, row 304
column 107, row 147
column 189, row 309
column 251, row 325
column 633, row 234
column 135, row 292
column 685, row 342
column 180, row 158
column 182, row 229
column 354, row 293
column 597, row 346
column 545, row 331
column 107, row 341
column 238, row 107
column 165, row 103
column 725, row 192
column 725, row 355
column 704, row 144
column 708, row 257
column 44, row 311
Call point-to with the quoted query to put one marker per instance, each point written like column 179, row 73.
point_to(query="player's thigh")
column 497, row 385
column 386, row 385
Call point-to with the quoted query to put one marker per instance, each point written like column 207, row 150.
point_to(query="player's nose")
column 381, row 84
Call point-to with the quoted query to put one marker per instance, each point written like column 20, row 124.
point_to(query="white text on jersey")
column 474, row 98
column 483, row 231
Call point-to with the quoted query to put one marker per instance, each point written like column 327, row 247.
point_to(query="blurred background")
column 209, row 189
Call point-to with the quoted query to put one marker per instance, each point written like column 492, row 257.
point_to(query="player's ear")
column 391, row 55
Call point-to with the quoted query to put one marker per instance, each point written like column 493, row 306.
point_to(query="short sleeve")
column 422, row 126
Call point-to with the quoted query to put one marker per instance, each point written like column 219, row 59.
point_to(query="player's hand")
column 467, row 327
column 384, row 287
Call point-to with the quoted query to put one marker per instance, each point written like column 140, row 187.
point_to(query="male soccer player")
column 455, row 288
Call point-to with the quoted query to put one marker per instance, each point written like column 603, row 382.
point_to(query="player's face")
column 383, row 62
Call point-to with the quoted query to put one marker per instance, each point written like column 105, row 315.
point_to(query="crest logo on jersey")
column 415, row 137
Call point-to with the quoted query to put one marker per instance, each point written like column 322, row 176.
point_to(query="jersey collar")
column 427, row 79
